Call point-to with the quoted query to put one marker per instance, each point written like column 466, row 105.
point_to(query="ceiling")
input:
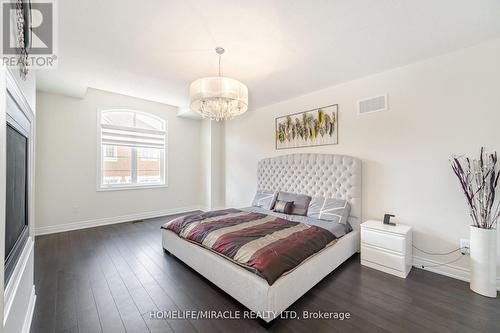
column 280, row 48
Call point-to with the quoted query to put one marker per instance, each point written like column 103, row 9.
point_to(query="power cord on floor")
column 445, row 263
column 442, row 254
column 439, row 254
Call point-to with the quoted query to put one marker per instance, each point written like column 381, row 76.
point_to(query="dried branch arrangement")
column 307, row 128
column 479, row 179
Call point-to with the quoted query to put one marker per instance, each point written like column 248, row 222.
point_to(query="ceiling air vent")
column 373, row 104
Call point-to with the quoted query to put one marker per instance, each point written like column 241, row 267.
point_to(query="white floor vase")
column 483, row 261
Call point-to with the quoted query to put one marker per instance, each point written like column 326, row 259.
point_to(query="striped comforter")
column 264, row 244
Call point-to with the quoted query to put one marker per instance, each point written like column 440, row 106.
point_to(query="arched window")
column 132, row 149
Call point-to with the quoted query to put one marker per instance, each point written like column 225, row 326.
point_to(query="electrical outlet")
column 464, row 246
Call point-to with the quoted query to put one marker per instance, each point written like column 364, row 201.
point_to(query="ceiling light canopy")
column 218, row 98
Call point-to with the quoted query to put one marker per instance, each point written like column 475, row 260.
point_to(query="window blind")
column 133, row 137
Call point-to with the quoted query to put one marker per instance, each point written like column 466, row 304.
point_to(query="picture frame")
column 310, row 128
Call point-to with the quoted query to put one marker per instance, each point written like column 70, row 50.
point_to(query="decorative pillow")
column 300, row 202
column 329, row 209
column 284, row 207
column 264, row 199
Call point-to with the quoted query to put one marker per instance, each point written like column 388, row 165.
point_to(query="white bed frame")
column 313, row 174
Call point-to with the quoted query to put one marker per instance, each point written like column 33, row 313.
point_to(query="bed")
column 318, row 175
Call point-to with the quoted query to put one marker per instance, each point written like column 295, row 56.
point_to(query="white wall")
column 217, row 159
column 206, row 162
column 67, row 164
column 438, row 107
column 213, row 163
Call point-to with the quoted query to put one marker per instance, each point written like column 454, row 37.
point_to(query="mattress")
column 262, row 243
column 250, row 289
column 316, row 175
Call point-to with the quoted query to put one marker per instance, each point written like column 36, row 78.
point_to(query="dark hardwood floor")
column 109, row 279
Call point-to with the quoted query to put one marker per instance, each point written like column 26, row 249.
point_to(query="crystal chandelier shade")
column 218, row 98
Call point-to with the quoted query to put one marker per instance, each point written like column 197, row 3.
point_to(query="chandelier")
column 218, row 97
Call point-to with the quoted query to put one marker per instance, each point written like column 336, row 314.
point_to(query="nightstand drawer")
column 383, row 258
column 384, row 240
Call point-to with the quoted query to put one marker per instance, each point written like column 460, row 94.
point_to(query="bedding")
column 264, row 244
column 329, row 209
column 265, row 199
column 335, row 228
column 284, row 207
column 300, row 201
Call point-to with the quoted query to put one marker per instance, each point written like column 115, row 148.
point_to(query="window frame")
column 115, row 154
column 100, row 158
column 149, row 158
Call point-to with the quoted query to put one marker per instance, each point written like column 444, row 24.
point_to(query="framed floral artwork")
column 317, row 127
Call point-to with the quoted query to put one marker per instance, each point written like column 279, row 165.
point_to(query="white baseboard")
column 452, row 271
column 29, row 313
column 112, row 220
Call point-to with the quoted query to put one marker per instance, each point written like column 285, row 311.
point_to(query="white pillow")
column 329, row 209
column 265, row 199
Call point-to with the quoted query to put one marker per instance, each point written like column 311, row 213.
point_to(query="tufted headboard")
column 317, row 175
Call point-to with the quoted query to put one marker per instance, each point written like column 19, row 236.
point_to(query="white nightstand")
column 386, row 248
